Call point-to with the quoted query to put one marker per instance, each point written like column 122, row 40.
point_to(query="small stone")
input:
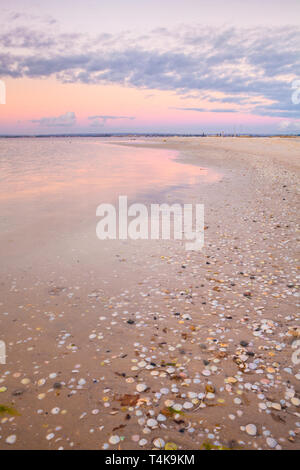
column 11, row 439
column 25, row 381
column 18, row 392
column 55, row 411
column 161, row 417
column 251, row 429
column 295, row 401
column 177, row 407
column 271, row 442
column 169, row 403
column 231, row 380
column 187, row 405
column 143, row 442
column 114, row 440
column 159, row 443
column 141, row 387
column 237, row 401
column 247, row 294
column 151, row 423
column 276, row 406
column 210, row 396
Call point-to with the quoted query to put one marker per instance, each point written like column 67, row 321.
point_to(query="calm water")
column 48, row 169
column 51, row 188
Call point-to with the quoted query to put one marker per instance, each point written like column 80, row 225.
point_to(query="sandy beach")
column 125, row 344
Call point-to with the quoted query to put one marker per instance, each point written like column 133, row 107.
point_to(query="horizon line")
column 153, row 134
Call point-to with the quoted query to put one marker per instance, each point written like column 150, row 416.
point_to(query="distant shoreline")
column 37, row 136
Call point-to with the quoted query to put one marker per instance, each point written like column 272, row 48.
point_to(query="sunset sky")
column 191, row 66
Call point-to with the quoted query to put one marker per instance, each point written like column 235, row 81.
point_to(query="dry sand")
column 150, row 341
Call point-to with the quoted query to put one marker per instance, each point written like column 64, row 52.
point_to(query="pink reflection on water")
column 63, row 167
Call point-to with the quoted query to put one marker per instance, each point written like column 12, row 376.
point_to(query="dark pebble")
column 17, row 393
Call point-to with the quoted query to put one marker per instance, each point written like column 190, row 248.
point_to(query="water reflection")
column 85, row 168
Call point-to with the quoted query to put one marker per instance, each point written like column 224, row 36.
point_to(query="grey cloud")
column 109, row 117
column 21, row 37
column 65, row 120
column 206, row 110
column 102, row 119
column 244, row 64
column 199, row 110
column 220, row 110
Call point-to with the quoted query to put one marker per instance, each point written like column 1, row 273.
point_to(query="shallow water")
column 52, row 167
column 51, row 187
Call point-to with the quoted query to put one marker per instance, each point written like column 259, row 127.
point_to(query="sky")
column 169, row 66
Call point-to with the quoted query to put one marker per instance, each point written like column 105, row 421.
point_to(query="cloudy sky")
column 150, row 66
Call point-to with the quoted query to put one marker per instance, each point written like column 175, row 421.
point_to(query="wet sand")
column 115, row 344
